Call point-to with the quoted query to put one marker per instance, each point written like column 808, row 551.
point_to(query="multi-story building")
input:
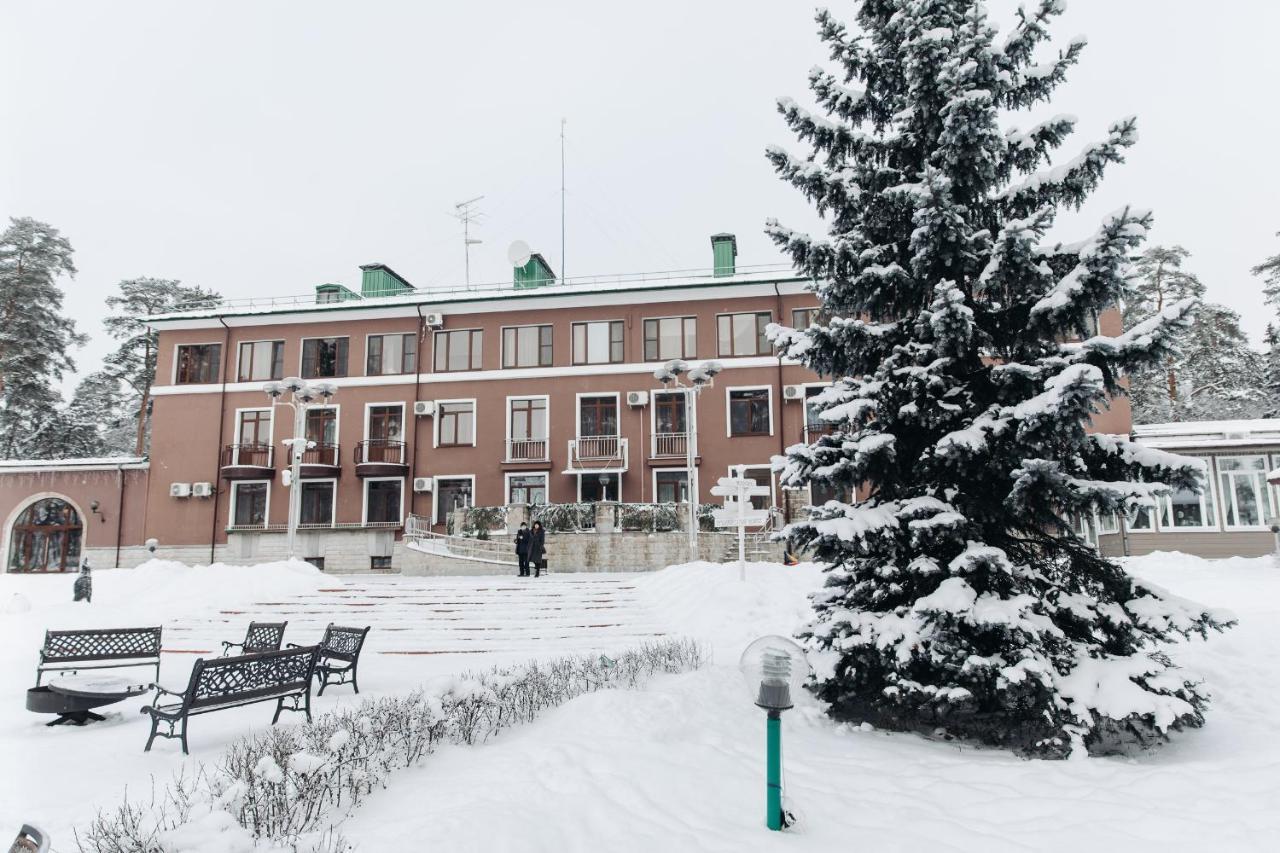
column 538, row 392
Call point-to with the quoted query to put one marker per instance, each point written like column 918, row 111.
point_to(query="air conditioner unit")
column 793, row 392
column 179, row 490
column 637, row 398
column 423, row 484
column 424, row 408
column 202, row 490
column 434, row 320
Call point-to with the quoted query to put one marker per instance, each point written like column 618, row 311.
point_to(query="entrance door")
column 598, row 427
column 46, row 538
column 322, row 428
column 254, row 440
column 451, row 494
column 386, row 434
column 600, row 487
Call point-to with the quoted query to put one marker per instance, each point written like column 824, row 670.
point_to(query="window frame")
column 238, row 425
column 657, row 340
column 545, row 348
column 738, row 471
column 577, row 413
column 585, row 325
column 438, row 421
column 177, row 362
column 546, row 484
column 654, row 481
column 368, row 344
column 435, row 492
column 813, row 310
column 390, row 404
column 1208, row 506
column 760, row 334
column 475, row 353
column 302, row 356
column 617, row 485
column 234, row 503
column 728, row 410
column 333, row 506
column 364, row 508
column 1265, row 509
column 277, row 347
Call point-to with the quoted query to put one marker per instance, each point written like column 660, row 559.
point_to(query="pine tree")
column 956, row 597
column 1269, row 270
column 1271, row 373
column 35, row 336
column 134, row 361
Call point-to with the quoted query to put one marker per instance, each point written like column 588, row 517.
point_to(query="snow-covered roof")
column 99, row 463
column 1208, row 434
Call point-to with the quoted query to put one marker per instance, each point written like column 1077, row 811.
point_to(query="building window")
column 451, row 493
column 743, row 334
column 458, row 350
column 46, row 537
column 670, row 486
column 388, row 355
column 803, row 318
column 249, row 504
column 527, row 489
column 821, row 491
column 261, row 361
column 526, row 346
column 382, row 500
column 598, row 343
column 317, row 502
column 597, row 416
column 527, row 426
column 1109, row 522
column 1243, row 481
column 253, row 439
column 1186, row 509
column 1140, row 518
column 761, row 475
column 380, row 564
column 324, row 358
column 666, row 338
column 198, row 363
column 749, row 412
column 457, row 422
column 599, row 487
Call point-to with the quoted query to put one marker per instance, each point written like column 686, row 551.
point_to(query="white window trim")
column 617, row 485
column 475, row 423
column 435, row 333
column 302, row 349
column 1097, row 518
column 1265, row 507
column 502, row 346
column 337, row 421
column 577, row 410
column 660, row 359
column 574, row 323
column 654, row 478
column 365, row 372
column 364, row 490
column 736, row 471
column 333, row 517
column 435, row 491
column 804, row 413
column 506, row 482
column 404, row 425
column 251, row 343
column 728, row 420
column 734, row 354
column 231, row 504
column 173, row 371
column 506, row 434
column 653, row 407
column 1213, row 492
column 271, row 428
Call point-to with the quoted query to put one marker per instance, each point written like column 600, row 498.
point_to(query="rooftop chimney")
column 535, row 273
column 724, row 249
column 382, row 280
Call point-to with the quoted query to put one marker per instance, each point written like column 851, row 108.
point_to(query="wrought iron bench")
column 221, row 683
column 339, row 656
column 99, row 648
column 261, row 637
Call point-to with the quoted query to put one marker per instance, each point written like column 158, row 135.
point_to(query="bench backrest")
column 100, row 644
column 264, row 637
column 245, row 678
column 343, row 643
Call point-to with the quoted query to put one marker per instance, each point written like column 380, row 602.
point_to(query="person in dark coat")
column 537, row 547
column 522, row 549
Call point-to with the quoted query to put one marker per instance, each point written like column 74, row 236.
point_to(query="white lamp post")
column 698, row 377
column 301, row 398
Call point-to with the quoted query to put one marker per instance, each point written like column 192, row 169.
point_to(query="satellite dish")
column 519, row 253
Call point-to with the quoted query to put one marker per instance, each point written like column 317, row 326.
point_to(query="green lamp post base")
column 773, row 770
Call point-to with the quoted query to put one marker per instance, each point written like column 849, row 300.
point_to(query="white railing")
column 597, row 447
column 419, row 536
column 670, row 444
column 527, row 450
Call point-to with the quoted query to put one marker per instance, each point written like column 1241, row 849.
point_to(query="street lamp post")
column 774, row 668
column 300, row 399
column 697, row 378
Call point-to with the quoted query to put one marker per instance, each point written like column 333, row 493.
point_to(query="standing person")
column 537, row 548
column 522, row 548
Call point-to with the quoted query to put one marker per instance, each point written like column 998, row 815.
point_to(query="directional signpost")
column 738, row 511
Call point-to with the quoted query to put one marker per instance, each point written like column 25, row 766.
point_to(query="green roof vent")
column 535, row 273
column 330, row 292
column 724, row 251
column 382, row 280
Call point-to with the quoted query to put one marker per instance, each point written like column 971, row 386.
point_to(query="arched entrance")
column 46, row 537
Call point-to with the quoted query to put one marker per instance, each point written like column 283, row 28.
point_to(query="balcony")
column 669, row 445
column 247, row 462
column 812, row 432
column 527, row 450
column 322, row 459
column 381, row 457
column 597, row 454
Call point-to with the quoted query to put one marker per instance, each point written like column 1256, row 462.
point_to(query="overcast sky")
column 264, row 148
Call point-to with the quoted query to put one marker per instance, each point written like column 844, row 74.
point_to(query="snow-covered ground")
column 677, row 766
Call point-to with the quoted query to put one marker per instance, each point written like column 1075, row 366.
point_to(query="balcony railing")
column 813, row 431
column 323, row 454
column 527, row 450
column 247, row 456
column 599, row 446
column 380, row 451
column 670, row 444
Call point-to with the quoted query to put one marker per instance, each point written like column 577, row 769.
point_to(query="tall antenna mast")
column 564, row 266
column 467, row 212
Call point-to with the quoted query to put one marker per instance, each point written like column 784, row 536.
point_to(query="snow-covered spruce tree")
column 1269, row 272
column 956, row 598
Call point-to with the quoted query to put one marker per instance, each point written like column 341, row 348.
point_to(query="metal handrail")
column 670, row 444
column 322, row 453
column 528, row 450
column 383, row 451
column 597, row 447
column 251, row 455
column 276, row 527
column 418, row 530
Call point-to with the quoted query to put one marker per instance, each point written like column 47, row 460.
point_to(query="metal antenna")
column 564, row 266
column 467, row 212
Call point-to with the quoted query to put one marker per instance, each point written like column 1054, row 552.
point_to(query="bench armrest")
column 226, row 647
column 162, row 691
